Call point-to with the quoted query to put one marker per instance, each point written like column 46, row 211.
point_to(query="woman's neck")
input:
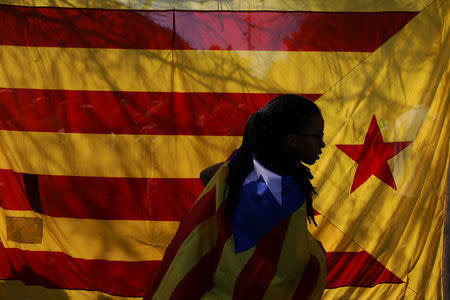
column 280, row 167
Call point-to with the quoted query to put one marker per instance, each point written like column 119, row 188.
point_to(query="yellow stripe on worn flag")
column 114, row 155
column 174, row 70
column 194, row 248
column 298, row 244
column 234, row 265
column 87, row 238
column 285, row 5
column 405, row 84
column 15, row 289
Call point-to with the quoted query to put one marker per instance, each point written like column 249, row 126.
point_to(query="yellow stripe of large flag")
column 173, row 70
column 14, row 289
column 148, row 239
column 388, row 225
column 112, row 155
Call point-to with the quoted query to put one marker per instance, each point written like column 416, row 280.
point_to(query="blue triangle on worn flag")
column 258, row 211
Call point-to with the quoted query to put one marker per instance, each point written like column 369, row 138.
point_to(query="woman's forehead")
column 315, row 122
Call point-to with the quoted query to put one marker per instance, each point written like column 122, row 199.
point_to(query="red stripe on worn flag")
column 356, row 269
column 255, row 277
column 308, row 280
column 208, row 30
column 60, row 271
column 158, row 199
column 200, row 279
column 129, row 112
column 204, row 208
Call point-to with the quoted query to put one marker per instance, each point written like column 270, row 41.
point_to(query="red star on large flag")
column 372, row 156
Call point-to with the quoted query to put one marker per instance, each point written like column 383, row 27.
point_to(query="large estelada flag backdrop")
column 110, row 109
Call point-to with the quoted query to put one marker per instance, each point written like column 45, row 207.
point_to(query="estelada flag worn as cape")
column 271, row 255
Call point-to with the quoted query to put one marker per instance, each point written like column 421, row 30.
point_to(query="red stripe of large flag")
column 178, row 30
column 129, row 112
column 112, row 277
column 153, row 113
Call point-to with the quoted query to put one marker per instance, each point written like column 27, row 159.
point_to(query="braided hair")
column 262, row 139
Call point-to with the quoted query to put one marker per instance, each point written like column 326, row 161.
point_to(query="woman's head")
column 285, row 131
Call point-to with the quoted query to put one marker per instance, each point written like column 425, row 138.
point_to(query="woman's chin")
column 311, row 161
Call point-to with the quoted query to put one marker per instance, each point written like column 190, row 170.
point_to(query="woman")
column 246, row 236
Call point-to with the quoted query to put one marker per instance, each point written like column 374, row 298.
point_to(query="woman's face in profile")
column 307, row 145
